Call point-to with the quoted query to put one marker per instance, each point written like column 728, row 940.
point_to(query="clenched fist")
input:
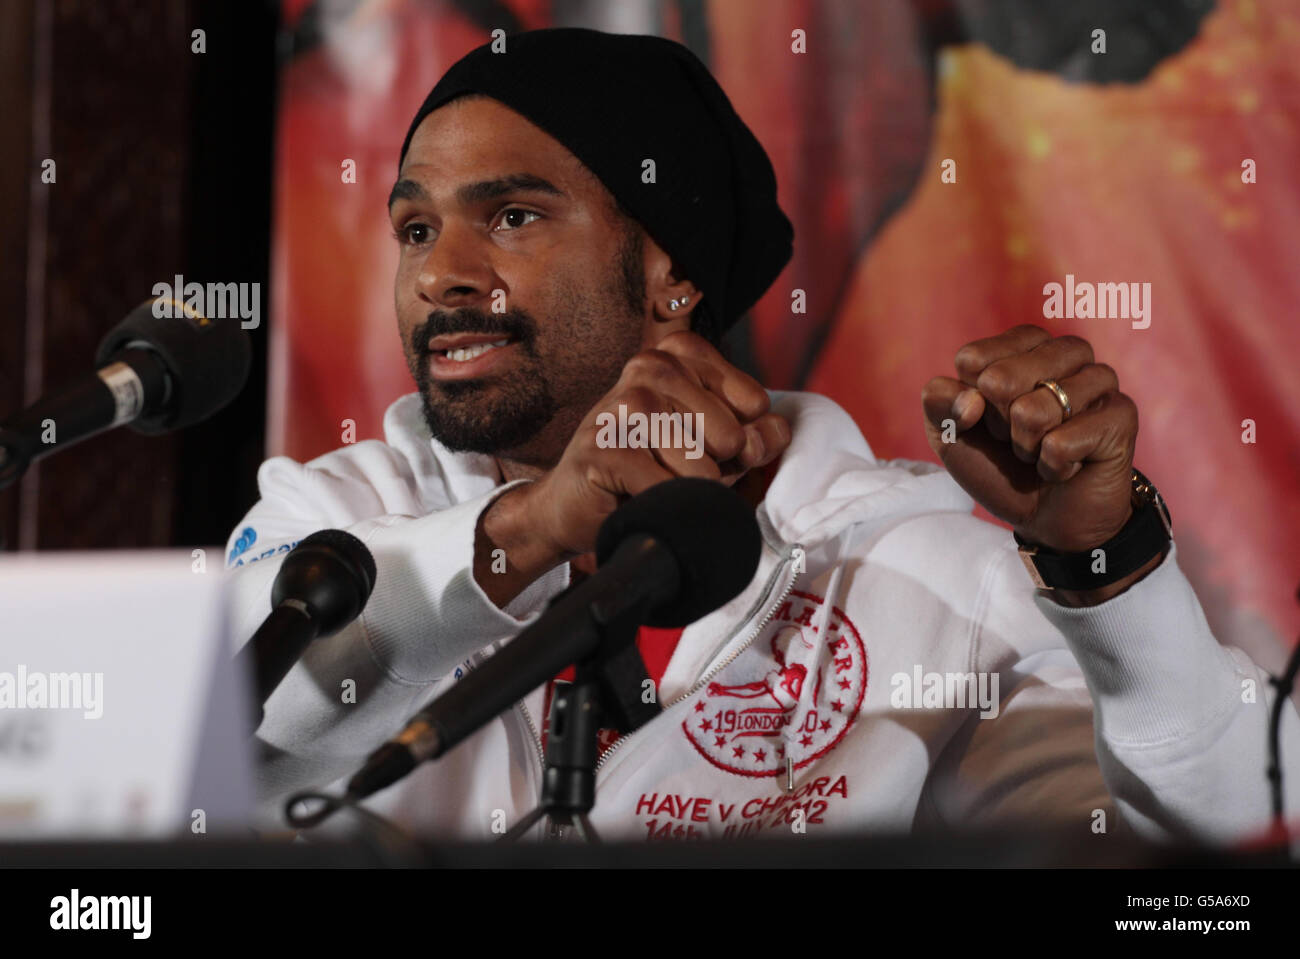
column 556, row 518
column 1060, row 481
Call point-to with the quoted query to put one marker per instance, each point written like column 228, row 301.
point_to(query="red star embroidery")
column 706, row 724
column 837, row 705
column 805, row 740
column 845, row 684
column 738, row 751
column 780, row 750
column 720, row 741
column 699, row 706
column 826, row 724
column 760, row 755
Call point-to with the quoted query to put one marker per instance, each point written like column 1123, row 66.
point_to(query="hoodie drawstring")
column 821, row 628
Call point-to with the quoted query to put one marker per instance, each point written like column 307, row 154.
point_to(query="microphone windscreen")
column 332, row 574
column 207, row 361
column 350, row 549
column 711, row 532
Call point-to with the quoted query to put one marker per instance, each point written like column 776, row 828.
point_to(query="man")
column 578, row 217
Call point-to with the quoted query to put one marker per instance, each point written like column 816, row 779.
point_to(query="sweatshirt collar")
column 828, row 479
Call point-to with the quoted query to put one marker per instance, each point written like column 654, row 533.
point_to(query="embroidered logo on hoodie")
column 753, row 721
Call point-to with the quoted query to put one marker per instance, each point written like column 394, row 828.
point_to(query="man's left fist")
column 1062, row 482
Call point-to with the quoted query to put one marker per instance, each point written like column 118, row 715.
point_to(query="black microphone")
column 322, row 586
column 154, row 373
column 678, row 551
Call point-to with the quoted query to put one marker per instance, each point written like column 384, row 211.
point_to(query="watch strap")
column 1146, row 535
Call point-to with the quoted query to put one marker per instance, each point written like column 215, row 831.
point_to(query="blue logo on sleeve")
column 246, row 539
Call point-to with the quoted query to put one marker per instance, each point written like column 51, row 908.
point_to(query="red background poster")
column 1122, row 182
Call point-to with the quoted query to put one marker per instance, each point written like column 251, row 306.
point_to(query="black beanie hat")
column 617, row 100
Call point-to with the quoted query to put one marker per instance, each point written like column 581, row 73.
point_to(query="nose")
column 457, row 271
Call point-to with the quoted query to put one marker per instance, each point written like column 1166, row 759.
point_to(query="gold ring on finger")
column 1060, row 395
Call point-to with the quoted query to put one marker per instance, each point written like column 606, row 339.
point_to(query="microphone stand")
column 1285, row 686
column 606, row 691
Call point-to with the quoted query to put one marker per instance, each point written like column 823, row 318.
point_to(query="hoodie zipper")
column 554, row 831
column 703, row 681
column 537, row 737
column 476, row 660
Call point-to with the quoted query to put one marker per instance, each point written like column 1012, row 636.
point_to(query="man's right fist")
column 559, row 514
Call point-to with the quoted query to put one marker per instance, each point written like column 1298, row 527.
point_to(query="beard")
column 506, row 412
column 482, row 416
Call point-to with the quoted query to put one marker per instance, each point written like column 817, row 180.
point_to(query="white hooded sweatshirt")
column 781, row 711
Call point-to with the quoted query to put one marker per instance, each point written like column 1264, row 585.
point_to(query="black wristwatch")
column 1146, row 535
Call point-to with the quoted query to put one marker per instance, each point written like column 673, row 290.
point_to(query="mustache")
column 515, row 323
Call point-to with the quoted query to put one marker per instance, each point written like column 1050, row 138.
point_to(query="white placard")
column 120, row 715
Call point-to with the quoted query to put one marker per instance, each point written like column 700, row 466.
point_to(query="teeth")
column 470, row 352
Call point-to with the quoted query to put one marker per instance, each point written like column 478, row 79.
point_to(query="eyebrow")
column 478, row 192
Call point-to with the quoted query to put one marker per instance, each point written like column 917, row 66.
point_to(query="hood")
column 829, row 480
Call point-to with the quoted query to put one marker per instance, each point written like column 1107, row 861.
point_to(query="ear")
column 671, row 296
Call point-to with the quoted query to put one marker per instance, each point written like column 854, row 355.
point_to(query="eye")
column 516, row 212
column 407, row 235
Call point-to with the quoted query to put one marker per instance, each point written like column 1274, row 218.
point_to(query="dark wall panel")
column 16, row 91
column 119, row 111
column 163, row 167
